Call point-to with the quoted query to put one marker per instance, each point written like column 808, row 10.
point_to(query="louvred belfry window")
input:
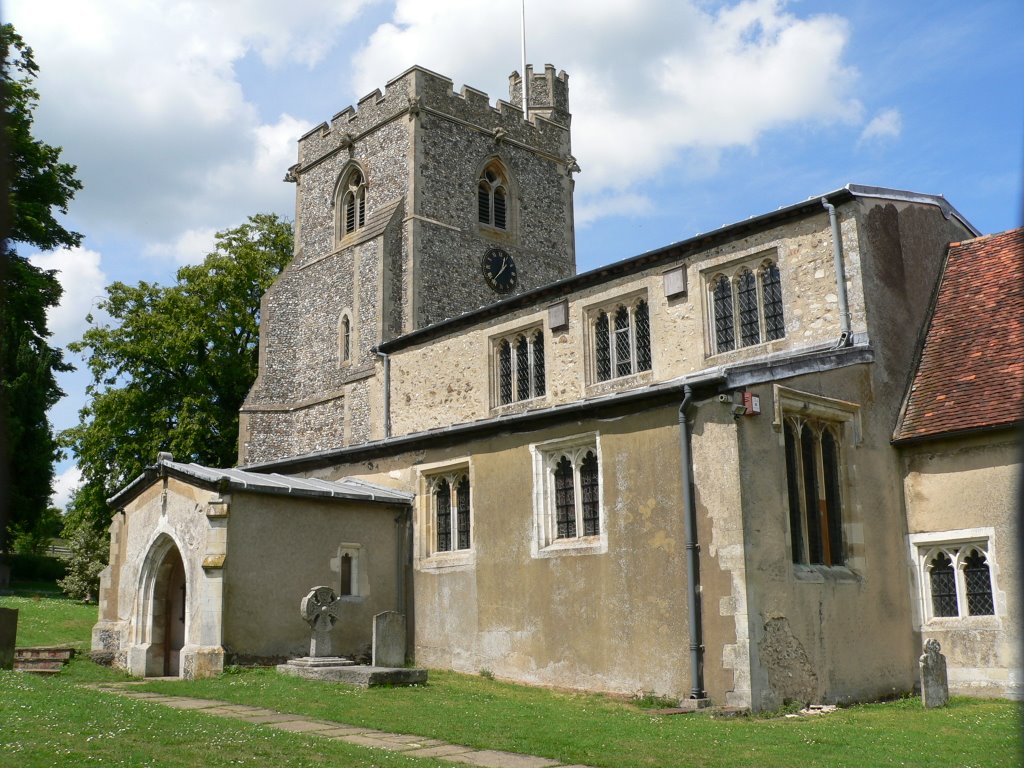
column 492, row 197
column 353, row 202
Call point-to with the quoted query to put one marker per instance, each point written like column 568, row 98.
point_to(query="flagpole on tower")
column 526, row 107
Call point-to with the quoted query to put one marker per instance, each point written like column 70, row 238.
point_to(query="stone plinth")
column 8, row 634
column 362, row 676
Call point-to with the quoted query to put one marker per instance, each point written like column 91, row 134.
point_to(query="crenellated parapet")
column 419, row 94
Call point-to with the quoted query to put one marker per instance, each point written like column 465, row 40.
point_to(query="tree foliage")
column 173, row 368
column 36, row 185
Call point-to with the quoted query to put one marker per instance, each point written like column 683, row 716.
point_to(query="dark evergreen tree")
column 36, row 186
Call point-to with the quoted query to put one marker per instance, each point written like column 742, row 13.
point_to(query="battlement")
column 419, row 91
column 548, row 93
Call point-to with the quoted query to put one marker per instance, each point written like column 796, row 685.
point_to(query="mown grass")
column 51, row 620
column 601, row 731
column 53, row 722
column 56, row 722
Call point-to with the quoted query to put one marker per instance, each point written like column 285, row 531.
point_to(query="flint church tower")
column 418, row 205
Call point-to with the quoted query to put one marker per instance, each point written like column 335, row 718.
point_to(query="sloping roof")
column 970, row 375
column 347, row 488
column 669, row 253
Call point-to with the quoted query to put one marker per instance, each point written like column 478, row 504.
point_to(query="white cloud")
column 146, row 100
column 188, row 247
column 628, row 204
column 650, row 80
column 64, row 486
column 887, row 124
column 83, row 281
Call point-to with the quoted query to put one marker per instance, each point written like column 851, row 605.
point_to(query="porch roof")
column 347, row 489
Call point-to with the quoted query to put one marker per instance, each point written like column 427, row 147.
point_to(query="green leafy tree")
column 36, row 186
column 89, row 551
column 174, row 366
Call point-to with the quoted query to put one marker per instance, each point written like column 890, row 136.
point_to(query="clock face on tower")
column 499, row 270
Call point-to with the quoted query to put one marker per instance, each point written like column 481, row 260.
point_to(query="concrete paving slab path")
column 407, row 744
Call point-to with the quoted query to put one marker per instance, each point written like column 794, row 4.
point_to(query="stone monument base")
column 346, row 671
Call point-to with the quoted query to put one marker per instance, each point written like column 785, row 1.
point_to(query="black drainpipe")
column 692, row 562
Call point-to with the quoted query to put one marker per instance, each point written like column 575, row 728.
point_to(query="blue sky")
column 182, row 116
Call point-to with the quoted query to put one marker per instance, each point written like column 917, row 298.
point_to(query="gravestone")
column 934, row 685
column 320, row 609
column 389, row 639
column 8, row 633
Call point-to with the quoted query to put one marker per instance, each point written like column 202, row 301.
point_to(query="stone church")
column 672, row 474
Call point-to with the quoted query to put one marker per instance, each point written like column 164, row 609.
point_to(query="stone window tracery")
column 956, row 577
column 621, row 340
column 451, row 513
column 492, row 196
column 813, row 484
column 351, row 202
column 746, row 305
column 519, row 367
column 568, row 509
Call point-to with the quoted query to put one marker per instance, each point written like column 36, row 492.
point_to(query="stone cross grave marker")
column 389, row 639
column 934, row 685
column 320, row 609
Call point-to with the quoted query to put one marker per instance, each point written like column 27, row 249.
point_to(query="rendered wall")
column 280, row 548
column 972, row 483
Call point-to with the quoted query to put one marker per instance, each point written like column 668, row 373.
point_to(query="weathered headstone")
column 320, row 609
column 8, row 633
column 934, row 685
column 389, row 639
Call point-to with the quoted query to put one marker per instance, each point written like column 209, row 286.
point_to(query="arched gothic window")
column 352, row 194
column 813, row 484
column 959, row 581
column 452, row 518
column 576, row 488
column 519, row 367
column 345, row 339
column 622, row 340
column 747, row 306
column 492, row 197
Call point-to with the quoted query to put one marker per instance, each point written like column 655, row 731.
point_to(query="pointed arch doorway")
column 160, row 632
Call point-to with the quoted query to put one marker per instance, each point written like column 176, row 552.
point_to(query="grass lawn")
column 54, row 722
column 50, row 620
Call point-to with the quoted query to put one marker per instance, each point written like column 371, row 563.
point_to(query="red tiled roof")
column 971, row 372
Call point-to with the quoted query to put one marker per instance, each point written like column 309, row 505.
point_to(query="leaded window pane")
column 589, row 490
column 538, row 364
column 979, row 585
column 505, row 372
column 623, row 357
column 483, row 202
column 565, row 500
column 725, row 338
column 771, row 288
column 943, row 583
column 808, row 457
column 499, row 208
column 830, row 467
column 522, row 368
column 746, row 294
column 796, row 527
column 462, row 512
column 602, row 348
column 642, row 321
column 443, row 507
